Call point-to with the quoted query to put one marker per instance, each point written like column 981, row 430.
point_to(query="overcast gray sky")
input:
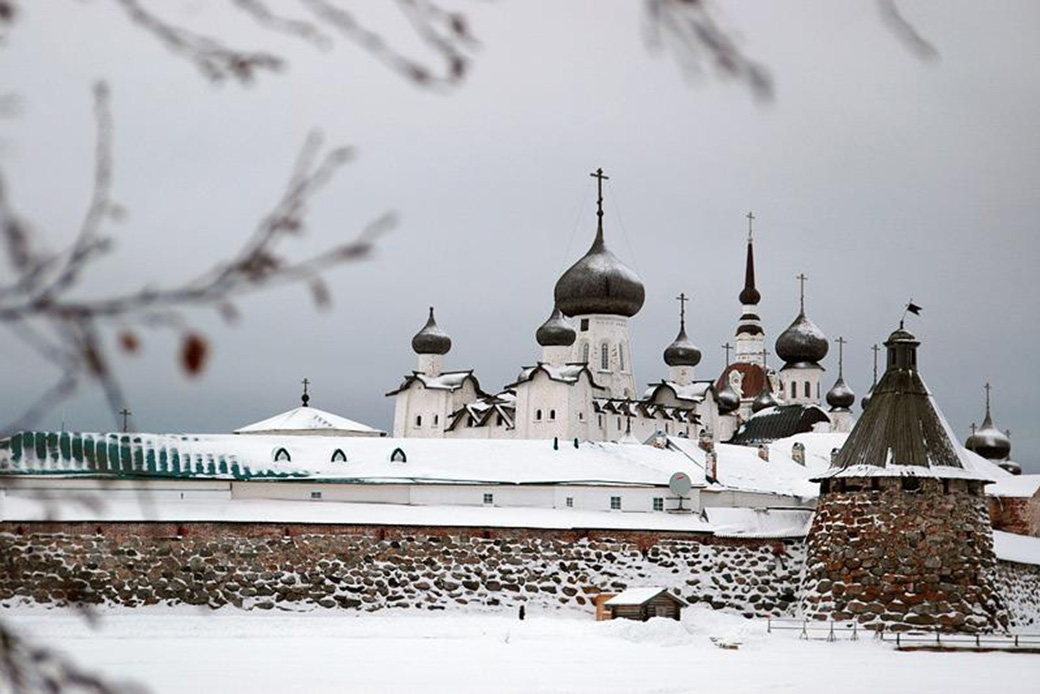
column 880, row 176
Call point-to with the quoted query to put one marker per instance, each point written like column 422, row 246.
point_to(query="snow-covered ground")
column 184, row 650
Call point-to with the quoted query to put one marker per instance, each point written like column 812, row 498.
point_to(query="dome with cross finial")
column 598, row 282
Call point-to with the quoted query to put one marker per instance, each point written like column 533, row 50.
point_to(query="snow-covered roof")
column 640, row 596
column 741, row 468
column 759, row 522
column 368, row 459
column 449, row 380
column 692, row 392
column 568, row 373
column 309, row 420
column 1015, row 486
column 1018, row 548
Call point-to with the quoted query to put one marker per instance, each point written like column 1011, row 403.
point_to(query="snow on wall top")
column 1017, row 548
column 307, row 419
column 759, row 522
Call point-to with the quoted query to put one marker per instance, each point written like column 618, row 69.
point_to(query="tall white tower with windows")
column 600, row 293
column 750, row 337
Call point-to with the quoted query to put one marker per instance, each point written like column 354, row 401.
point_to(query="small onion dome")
column 556, row 331
column 749, row 296
column 1012, row 467
column 840, row 397
column 431, row 339
column 682, row 352
column 866, row 399
column 802, row 343
column 989, row 442
column 599, row 283
column 765, row 399
column 728, row 400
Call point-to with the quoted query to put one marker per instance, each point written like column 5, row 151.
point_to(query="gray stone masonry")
column 903, row 558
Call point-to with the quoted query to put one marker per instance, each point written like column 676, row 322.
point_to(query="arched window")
column 621, row 356
column 604, row 357
column 808, row 389
column 537, row 415
column 498, row 420
column 794, row 389
column 338, row 456
column 418, row 420
column 282, row 455
column 436, row 419
column 585, row 352
column 552, row 414
column 398, row 456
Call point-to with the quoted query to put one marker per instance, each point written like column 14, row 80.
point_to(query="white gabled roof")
column 640, row 596
column 308, row 420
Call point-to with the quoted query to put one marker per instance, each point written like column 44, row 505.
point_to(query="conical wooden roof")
column 903, row 432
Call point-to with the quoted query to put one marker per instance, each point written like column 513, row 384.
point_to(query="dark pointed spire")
column 749, row 295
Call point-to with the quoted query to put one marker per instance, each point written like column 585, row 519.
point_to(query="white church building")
column 584, row 386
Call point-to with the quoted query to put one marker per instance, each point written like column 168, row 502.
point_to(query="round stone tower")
column 901, row 538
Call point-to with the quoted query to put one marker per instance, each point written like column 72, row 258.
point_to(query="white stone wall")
column 597, row 331
column 799, row 377
column 421, row 412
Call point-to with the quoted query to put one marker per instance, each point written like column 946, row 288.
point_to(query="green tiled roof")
column 123, row 455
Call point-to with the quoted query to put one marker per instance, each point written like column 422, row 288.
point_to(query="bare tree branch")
column 689, row 29
column 216, row 61
column 906, row 32
column 40, row 309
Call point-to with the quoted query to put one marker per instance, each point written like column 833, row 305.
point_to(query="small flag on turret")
column 913, row 308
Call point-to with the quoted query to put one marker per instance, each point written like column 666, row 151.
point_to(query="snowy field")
column 174, row 650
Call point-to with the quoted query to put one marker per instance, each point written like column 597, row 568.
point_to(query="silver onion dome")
column 599, row 283
column 728, row 400
column 431, row 339
column 682, row 352
column 763, row 400
column 556, row 331
column 866, row 399
column 802, row 344
column 1012, row 467
column 989, row 441
column 840, row 397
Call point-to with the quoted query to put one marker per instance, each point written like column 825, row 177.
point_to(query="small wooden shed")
column 644, row 603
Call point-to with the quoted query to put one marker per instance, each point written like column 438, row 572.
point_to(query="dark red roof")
column 754, row 378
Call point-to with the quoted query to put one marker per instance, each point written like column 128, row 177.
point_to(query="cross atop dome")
column 750, row 229
column 682, row 299
column 600, row 177
column 305, row 398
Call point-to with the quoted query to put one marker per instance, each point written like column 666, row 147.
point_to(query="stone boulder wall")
column 900, row 558
column 370, row 568
column 1019, row 584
